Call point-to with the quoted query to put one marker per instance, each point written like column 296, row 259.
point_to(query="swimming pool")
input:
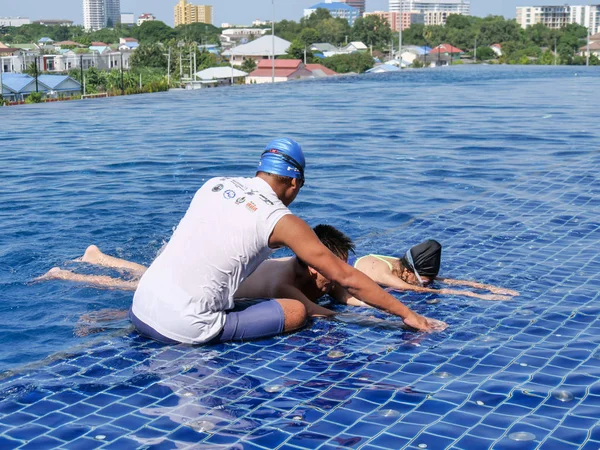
column 499, row 164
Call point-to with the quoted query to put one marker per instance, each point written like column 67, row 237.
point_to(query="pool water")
column 500, row 164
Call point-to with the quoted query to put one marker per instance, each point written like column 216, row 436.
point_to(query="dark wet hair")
column 427, row 258
column 336, row 241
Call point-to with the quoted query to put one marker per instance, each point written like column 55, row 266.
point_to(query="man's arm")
column 294, row 233
column 476, row 285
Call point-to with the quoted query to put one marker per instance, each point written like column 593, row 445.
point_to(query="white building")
column 98, row 14
column 556, row 17
column 127, row 19
column 425, row 6
column 146, row 17
column 14, row 21
column 261, row 48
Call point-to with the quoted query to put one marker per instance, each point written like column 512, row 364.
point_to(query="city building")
column 146, row 17
column 127, row 19
column 424, row 6
column 557, row 17
column 54, row 22
column 98, row 14
column 394, row 19
column 437, row 17
column 17, row 87
column 186, row 13
column 358, row 4
column 336, row 9
column 14, row 21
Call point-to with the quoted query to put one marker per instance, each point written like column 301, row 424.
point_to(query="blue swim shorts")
column 249, row 319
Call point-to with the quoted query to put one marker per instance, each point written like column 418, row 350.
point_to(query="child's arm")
column 476, row 285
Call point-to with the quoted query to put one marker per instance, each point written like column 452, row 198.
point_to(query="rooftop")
column 263, row 46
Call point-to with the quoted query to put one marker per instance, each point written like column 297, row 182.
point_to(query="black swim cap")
column 427, row 257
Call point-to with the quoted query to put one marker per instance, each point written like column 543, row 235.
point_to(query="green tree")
column 200, row 33
column 155, row 31
column 248, row 65
column 485, row 53
column 372, row 30
column 354, row 62
column 149, row 55
column 309, row 36
column 320, row 15
column 414, row 35
column 296, row 51
column 334, row 31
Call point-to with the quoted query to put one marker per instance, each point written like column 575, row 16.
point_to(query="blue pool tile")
column 29, row 398
column 43, row 443
column 186, row 434
column 26, row 432
column 470, row 442
column 101, row 400
column 123, row 444
column 43, row 407
column 268, row 438
column 359, row 405
column 69, row 432
column 343, row 416
column 388, row 441
column 366, row 429
column 54, row 420
column 17, row 419
column 164, row 423
column 131, row 422
column 450, row 430
column 326, row 428
column 93, row 420
column 432, row 441
column 405, row 430
column 462, row 419
column 570, row 435
column 308, row 440
column 67, row 397
column 80, row 410
column 83, row 444
column 9, row 407
column 9, row 444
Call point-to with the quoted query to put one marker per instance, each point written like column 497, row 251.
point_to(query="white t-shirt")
column 220, row 241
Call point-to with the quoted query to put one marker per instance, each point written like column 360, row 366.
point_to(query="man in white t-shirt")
column 231, row 226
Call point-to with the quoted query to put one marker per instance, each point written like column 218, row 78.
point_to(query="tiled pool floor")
column 506, row 375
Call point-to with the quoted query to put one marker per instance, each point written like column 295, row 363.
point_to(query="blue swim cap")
column 283, row 156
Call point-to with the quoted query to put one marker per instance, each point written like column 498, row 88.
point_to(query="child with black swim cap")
column 415, row 271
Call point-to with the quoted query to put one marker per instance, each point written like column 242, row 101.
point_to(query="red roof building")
column 320, row 68
column 446, row 48
column 99, row 44
column 285, row 70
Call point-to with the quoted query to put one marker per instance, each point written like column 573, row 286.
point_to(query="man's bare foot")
column 56, row 273
column 92, row 255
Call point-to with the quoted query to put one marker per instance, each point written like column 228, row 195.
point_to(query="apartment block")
column 425, row 6
column 98, row 14
column 186, row 13
column 557, row 17
column 396, row 20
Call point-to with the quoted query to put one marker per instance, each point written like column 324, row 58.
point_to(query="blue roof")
column 16, row 81
column 334, row 5
column 99, row 48
column 384, row 68
column 52, row 81
column 45, row 39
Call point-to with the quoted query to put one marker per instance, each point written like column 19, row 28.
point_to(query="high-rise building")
column 358, row 4
column 557, row 17
column 14, row 21
column 424, row 6
column 98, row 14
column 395, row 20
column 186, row 13
column 112, row 12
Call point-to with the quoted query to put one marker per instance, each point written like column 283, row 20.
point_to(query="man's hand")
column 503, row 291
column 422, row 323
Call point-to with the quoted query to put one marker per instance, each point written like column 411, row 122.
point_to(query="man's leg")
column 94, row 255
column 94, row 280
column 262, row 318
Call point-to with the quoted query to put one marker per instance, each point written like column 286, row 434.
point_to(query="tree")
column 354, row 62
column 414, row 35
column 309, row 36
column 149, row 55
column 155, row 31
column 201, row 33
column 297, row 49
column 334, row 31
column 320, row 15
column 485, row 53
column 248, row 65
column 372, row 30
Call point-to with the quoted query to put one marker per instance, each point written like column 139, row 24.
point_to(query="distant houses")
column 257, row 50
column 18, row 86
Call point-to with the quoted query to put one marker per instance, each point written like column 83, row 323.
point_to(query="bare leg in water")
column 93, row 255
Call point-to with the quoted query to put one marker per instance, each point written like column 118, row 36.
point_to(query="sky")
column 241, row 12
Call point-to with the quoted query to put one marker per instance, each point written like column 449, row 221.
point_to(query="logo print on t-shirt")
column 266, row 200
column 217, row 188
column 251, row 206
column 240, row 200
column 229, row 194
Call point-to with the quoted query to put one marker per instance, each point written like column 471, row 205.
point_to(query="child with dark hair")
column 415, row 271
